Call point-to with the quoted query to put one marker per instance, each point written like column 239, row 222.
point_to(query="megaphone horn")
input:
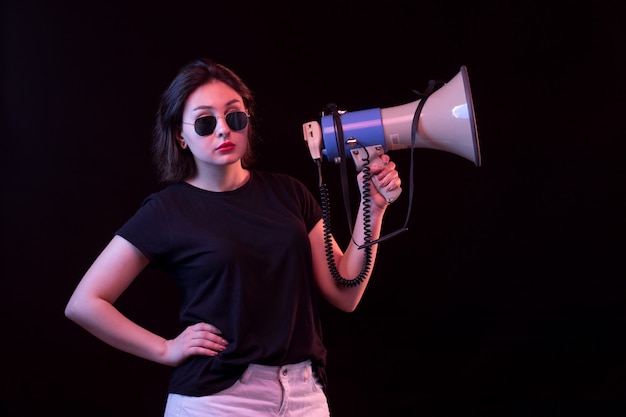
column 445, row 122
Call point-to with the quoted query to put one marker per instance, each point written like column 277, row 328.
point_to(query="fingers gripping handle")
column 361, row 155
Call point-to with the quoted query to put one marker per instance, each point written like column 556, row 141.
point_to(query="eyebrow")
column 203, row 107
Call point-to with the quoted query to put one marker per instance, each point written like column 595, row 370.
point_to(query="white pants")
column 262, row 391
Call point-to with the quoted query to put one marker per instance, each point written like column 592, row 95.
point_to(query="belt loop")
column 246, row 375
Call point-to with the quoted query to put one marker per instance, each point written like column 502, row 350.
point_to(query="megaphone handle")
column 372, row 154
column 390, row 196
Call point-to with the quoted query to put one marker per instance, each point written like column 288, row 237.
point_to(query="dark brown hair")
column 173, row 163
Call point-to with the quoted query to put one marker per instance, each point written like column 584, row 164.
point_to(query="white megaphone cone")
column 446, row 122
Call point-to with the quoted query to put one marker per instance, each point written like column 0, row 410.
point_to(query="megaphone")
column 442, row 120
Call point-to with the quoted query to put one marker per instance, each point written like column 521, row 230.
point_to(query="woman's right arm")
column 92, row 307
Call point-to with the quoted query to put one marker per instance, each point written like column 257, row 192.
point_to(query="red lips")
column 226, row 146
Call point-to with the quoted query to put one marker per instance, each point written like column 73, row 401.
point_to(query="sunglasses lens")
column 237, row 120
column 204, row 126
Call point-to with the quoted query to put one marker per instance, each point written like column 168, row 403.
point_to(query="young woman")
column 248, row 251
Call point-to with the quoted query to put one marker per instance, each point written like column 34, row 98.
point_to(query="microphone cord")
column 367, row 261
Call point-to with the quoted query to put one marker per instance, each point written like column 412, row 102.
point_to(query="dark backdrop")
column 506, row 296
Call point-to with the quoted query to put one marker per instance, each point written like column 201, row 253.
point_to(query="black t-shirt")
column 242, row 262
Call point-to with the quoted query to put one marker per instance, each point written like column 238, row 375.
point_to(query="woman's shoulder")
column 282, row 184
column 277, row 178
column 169, row 192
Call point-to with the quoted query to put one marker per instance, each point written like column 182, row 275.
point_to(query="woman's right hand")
column 199, row 339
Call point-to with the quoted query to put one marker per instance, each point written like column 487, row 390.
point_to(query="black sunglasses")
column 205, row 125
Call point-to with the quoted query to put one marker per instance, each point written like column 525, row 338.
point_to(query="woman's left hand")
column 384, row 173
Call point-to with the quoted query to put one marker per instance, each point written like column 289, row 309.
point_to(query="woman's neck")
column 220, row 178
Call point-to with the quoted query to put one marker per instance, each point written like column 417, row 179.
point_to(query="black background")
column 507, row 295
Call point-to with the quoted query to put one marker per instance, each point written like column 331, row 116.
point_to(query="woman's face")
column 225, row 144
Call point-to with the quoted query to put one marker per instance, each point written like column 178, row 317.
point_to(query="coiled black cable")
column 367, row 261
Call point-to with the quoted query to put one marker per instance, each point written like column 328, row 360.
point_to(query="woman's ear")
column 181, row 140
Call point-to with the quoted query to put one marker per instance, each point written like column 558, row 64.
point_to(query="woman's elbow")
column 73, row 310
column 349, row 309
column 346, row 306
column 70, row 311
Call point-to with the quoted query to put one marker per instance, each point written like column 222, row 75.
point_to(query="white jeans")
column 262, row 391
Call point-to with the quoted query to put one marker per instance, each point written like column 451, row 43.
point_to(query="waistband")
column 301, row 370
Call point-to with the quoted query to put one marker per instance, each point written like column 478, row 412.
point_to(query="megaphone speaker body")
column 446, row 122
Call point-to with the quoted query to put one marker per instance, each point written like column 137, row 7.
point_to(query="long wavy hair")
column 173, row 163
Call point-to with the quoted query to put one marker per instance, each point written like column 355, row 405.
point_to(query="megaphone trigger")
column 371, row 155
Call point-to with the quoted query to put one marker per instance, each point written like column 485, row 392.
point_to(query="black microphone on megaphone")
column 443, row 120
